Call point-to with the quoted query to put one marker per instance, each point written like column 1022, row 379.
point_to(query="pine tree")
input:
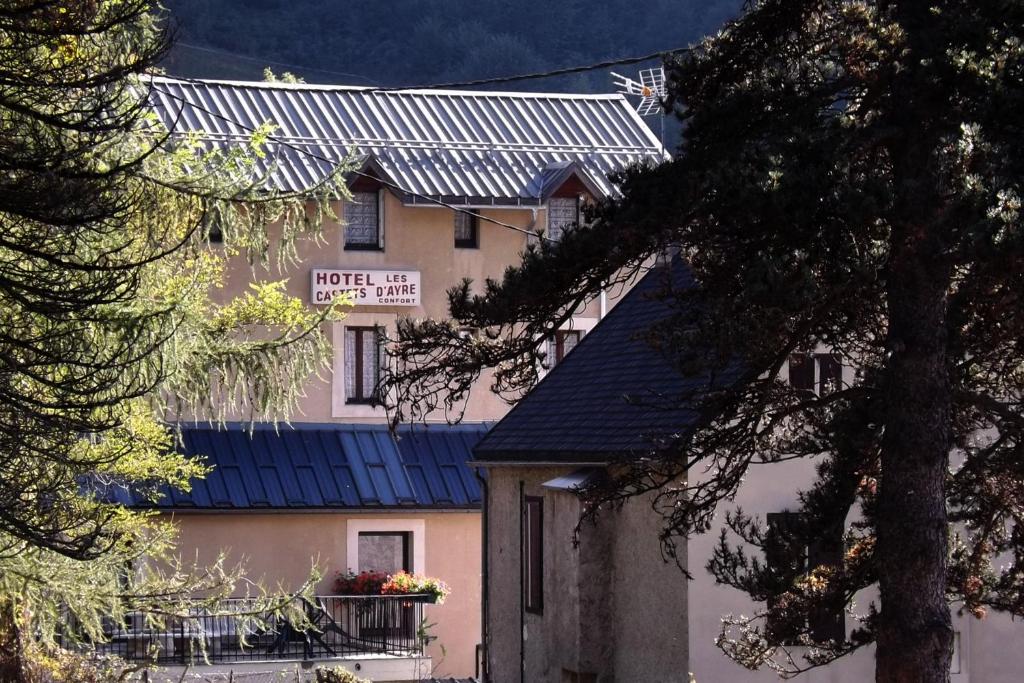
column 849, row 178
column 108, row 316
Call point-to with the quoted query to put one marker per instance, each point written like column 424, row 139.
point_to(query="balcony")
column 338, row 627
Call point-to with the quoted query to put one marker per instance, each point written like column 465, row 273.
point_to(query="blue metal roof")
column 317, row 466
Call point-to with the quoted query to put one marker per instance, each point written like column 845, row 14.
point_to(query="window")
column 467, row 230
column 818, row 372
column 792, row 551
column 385, row 551
column 362, row 221
column 533, row 554
column 560, row 345
column 215, row 235
column 362, row 364
column 563, row 214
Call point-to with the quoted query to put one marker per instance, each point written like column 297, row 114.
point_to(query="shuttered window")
column 362, row 221
column 533, row 554
column 362, row 364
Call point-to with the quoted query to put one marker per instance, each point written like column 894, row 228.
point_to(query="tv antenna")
column 651, row 91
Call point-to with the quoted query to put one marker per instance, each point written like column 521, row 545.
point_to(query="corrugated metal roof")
column 317, row 466
column 439, row 143
column 613, row 395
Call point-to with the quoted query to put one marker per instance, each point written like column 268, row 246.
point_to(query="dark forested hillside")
column 414, row 42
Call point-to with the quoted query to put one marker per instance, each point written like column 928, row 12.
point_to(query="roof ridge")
column 328, row 87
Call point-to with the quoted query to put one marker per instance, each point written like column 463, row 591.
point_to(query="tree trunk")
column 915, row 635
column 12, row 664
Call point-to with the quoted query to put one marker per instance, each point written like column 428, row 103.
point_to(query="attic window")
column 362, row 221
column 563, row 214
column 467, row 230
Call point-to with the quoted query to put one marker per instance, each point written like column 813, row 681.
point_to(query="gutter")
column 539, row 463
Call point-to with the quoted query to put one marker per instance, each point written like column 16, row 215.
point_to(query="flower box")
column 419, row 588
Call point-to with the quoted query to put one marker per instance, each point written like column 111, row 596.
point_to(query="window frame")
column 356, row 376
column 472, row 242
column 549, row 233
column 215, row 234
column 825, row 372
column 555, row 352
column 416, row 527
column 378, row 244
column 533, row 554
column 828, row 622
column 407, row 546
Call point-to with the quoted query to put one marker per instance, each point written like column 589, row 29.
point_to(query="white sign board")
column 368, row 287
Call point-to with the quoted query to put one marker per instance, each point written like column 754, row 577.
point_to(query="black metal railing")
column 334, row 627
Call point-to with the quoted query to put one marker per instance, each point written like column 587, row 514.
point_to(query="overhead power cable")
column 542, row 74
column 333, row 162
column 437, row 86
column 515, row 77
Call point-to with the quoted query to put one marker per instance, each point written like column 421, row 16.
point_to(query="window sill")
column 467, row 245
column 373, row 403
column 363, row 247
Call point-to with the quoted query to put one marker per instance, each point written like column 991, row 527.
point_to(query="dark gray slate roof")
column 317, row 466
column 607, row 398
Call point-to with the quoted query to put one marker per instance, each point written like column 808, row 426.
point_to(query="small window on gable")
column 563, row 214
column 363, row 358
column 821, row 373
column 792, row 552
column 362, row 221
column 467, row 230
column 533, row 554
column 560, row 345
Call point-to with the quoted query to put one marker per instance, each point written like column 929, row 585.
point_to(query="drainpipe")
column 604, row 304
column 484, row 674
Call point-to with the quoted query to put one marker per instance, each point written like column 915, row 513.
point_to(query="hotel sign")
column 368, row 287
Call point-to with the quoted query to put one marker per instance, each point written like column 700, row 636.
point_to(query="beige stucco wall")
column 279, row 548
column 612, row 608
column 415, row 238
column 282, row 547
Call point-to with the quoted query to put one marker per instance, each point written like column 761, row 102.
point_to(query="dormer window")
column 563, row 214
column 362, row 221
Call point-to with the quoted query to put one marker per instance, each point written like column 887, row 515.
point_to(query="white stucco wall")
column 988, row 651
